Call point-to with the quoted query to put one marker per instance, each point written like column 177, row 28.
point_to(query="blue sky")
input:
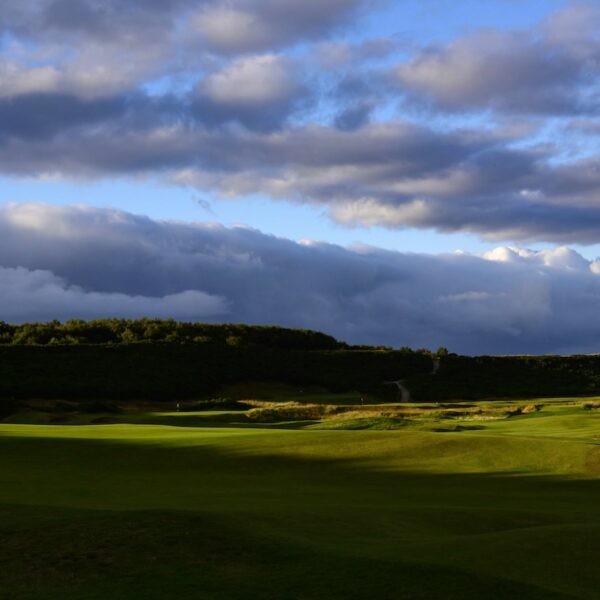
column 425, row 128
column 293, row 221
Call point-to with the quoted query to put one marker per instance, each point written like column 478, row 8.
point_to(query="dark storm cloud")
column 43, row 115
column 78, row 261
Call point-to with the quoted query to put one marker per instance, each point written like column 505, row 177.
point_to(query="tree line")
column 166, row 331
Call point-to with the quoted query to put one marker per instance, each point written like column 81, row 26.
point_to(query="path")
column 405, row 395
column 404, row 391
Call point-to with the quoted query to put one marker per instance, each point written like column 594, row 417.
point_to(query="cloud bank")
column 27, row 295
column 67, row 262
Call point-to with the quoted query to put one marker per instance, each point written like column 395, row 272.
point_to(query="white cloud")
column 231, row 30
column 240, row 26
column 545, row 70
column 256, row 81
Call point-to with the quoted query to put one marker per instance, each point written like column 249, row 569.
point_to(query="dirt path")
column 405, row 395
column 404, row 391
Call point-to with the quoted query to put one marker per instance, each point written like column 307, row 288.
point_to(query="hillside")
column 169, row 360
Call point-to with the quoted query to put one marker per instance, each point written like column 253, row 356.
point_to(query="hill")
column 168, row 360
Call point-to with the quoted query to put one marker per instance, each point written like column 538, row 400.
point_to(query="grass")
column 421, row 502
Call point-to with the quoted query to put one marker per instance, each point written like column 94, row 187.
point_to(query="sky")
column 405, row 173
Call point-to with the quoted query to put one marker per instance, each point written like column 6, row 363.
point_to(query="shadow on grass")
column 157, row 555
column 249, row 520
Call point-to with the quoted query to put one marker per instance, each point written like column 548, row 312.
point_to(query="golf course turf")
column 495, row 508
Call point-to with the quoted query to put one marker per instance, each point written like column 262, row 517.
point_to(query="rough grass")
column 453, row 504
column 266, row 412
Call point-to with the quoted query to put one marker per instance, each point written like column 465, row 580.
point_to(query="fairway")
column 509, row 509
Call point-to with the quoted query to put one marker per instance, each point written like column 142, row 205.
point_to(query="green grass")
column 214, row 508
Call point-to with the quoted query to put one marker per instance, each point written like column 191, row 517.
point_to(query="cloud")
column 258, row 25
column 34, row 295
column 257, row 91
column 44, row 115
column 335, row 55
column 208, row 97
column 355, row 97
column 61, row 262
column 354, row 116
column 545, row 71
column 78, row 46
column 393, row 174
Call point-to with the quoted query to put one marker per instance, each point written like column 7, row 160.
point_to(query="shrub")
column 291, row 411
column 590, row 405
